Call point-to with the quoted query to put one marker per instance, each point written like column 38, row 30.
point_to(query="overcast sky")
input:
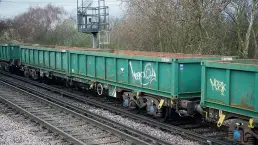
column 11, row 8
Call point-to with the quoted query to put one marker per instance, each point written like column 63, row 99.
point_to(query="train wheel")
column 142, row 102
column 67, row 83
column 168, row 112
column 7, row 68
column 129, row 100
column 100, row 89
column 12, row 69
column 26, row 73
column 132, row 104
column 34, row 75
column 152, row 108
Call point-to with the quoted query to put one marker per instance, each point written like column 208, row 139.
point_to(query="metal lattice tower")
column 94, row 19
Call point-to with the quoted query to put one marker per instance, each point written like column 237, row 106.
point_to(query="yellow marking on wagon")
column 251, row 123
column 221, row 119
column 161, row 103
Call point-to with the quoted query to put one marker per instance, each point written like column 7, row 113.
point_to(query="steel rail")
column 70, row 138
column 41, row 121
column 133, row 139
column 171, row 128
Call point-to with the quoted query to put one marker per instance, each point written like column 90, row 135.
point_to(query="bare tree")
column 47, row 25
column 250, row 28
column 35, row 23
column 172, row 25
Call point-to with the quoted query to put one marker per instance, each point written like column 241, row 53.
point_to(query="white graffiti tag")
column 218, row 86
column 148, row 74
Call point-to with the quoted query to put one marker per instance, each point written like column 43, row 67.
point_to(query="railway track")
column 18, row 129
column 187, row 132
column 74, row 127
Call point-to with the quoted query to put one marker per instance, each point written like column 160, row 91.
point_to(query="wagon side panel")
column 231, row 87
column 189, row 77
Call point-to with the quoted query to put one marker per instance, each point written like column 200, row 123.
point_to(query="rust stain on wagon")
column 216, row 101
column 246, row 101
column 243, row 106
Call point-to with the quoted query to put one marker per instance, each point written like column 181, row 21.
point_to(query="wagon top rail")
column 253, row 62
column 127, row 52
column 236, row 64
column 36, row 46
column 162, row 54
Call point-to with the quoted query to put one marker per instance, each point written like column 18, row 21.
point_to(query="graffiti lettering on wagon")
column 218, row 86
column 148, row 75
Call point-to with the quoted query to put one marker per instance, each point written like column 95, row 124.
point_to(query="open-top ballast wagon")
column 9, row 56
column 155, row 81
column 230, row 91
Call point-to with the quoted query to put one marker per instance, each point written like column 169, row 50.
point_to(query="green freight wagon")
column 9, row 56
column 230, row 90
column 143, row 81
column 42, row 61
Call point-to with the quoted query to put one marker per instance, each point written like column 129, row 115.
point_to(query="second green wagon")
column 145, row 80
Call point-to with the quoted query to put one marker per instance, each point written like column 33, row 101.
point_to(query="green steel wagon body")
column 230, row 90
column 9, row 55
column 167, row 77
column 45, row 60
column 173, row 81
column 48, row 60
column 142, row 81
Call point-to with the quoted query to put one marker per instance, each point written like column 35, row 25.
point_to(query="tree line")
column 222, row 27
column 49, row 25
